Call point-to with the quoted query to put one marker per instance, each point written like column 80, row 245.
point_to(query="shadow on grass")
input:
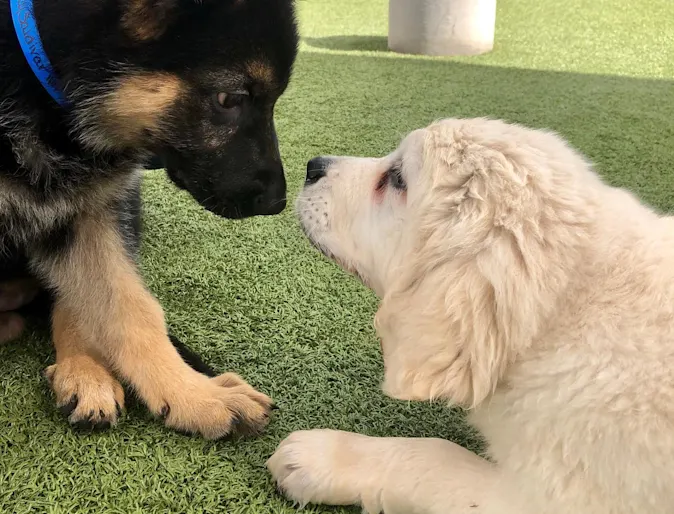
column 350, row 43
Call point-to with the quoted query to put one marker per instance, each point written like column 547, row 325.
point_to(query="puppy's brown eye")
column 230, row 100
column 396, row 179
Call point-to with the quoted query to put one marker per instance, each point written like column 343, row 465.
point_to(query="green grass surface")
column 253, row 297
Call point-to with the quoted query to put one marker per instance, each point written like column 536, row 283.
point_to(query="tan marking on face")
column 138, row 105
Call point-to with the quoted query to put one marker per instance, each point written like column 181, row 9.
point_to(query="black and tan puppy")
column 194, row 82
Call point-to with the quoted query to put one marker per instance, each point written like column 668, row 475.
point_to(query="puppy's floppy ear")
column 491, row 257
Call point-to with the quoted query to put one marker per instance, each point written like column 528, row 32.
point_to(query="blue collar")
column 31, row 44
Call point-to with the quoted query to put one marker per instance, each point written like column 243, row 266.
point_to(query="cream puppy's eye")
column 393, row 177
column 396, row 179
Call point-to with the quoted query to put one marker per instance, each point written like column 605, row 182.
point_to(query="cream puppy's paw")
column 329, row 467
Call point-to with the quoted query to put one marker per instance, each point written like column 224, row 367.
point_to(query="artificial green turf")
column 253, row 297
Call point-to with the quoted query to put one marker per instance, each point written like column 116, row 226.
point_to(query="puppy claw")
column 69, row 407
column 91, row 425
column 102, row 425
column 81, row 425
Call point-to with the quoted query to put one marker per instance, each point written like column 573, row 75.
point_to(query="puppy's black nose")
column 316, row 169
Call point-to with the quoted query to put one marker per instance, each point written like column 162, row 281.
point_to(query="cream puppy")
column 516, row 283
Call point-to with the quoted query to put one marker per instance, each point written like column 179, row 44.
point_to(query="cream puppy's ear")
column 494, row 248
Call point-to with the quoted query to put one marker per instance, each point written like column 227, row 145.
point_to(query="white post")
column 441, row 27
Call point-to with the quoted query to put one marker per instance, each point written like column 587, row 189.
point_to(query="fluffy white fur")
column 518, row 284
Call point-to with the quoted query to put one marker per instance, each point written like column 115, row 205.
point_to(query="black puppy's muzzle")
column 231, row 188
column 263, row 195
column 272, row 199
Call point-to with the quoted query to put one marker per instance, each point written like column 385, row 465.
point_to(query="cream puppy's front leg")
column 390, row 475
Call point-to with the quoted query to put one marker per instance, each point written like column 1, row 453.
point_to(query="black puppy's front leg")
column 129, row 215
